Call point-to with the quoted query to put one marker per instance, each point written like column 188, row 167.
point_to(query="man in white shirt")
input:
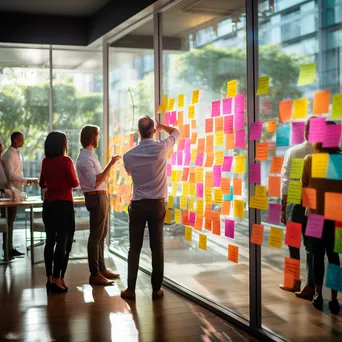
column 93, row 182
column 296, row 213
column 13, row 166
column 146, row 164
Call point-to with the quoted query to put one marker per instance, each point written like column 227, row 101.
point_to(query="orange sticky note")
column 209, row 143
column 233, row 253
column 271, row 126
column 210, row 159
column 192, row 175
column 180, row 119
column 193, row 139
column 185, row 174
column 201, row 145
column 332, row 206
column 257, row 234
column 261, row 151
column 209, row 179
column 216, row 227
column 291, row 271
column 237, row 186
column 185, row 218
column 207, row 223
column 285, row 110
column 274, row 186
column 225, row 210
column 293, row 234
column 219, row 124
column 209, row 125
column 225, row 185
column 229, row 141
column 198, row 222
column 277, row 164
column 321, row 102
column 309, row 198
column 193, row 124
column 186, row 129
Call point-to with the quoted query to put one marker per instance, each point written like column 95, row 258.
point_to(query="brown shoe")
column 307, row 293
column 109, row 275
column 295, row 288
column 99, row 280
column 157, row 294
column 128, row 294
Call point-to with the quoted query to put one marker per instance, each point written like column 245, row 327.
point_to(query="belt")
column 97, row 192
column 159, row 200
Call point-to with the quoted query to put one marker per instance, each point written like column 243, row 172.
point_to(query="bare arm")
column 101, row 177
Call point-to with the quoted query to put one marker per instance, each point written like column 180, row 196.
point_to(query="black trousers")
column 152, row 212
column 59, row 221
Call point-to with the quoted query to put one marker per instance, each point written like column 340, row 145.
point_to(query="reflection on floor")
column 99, row 314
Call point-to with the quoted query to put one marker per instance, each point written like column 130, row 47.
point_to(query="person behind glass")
column 146, row 164
column 58, row 177
column 93, row 182
column 13, row 165
column 326, row 243
column 296, row 213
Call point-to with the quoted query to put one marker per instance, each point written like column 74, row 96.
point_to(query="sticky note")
column 191, row 112
column 225, row 210
column 229, row 229
column 294, row 192
column 219, row 124
column 183, row 202
column 297, row 165
column 202, row 241
column 261, row 151
column 216, row 108
column 256, row 131
column 239, row 208
column 193, row 189
column 170, row 104
column 188, row 233
column 209, row 179
column 293, row 234
column 332, row 206
column 239, row 120
column 275, row 239
column 300, row 108
column 180, row 100
column 217, row 196
column 263, row 84
column 233, row 253
column 199, row 175
column 195, row 96
column 174, row 189
column 210, row 159
column 208, row 196
column 177, row 216
column 255, row 173
column 307, row 74
column 277, row 164
column 174, row 158
column 199, row 206
column 257, row 236
column 227, row 163
column 170, row 202
column 291, row 271
column 229, row 197
column 231, row 88
column 216, row 226
column 283, row 136
column 199, row 159
column 168, row 216
column 193, row 124
column 217, row 175
column 185, row 174
column 187, row 159
column 168, row 170
column 239, row 103
column 335, row 167
column 334, row 277
column 332, row 136
column 237, row 186
column 229, row 141
column 207, row 223
column 185, row 189
column 336, row 112
column 240, row 138
column 317, row 130
column 199, row 222
column 285, row 110
column 319, row 164
column 321, row 102
column 180, row 158
column 209, row 142
column 219, row 138
column 201, row 145
column 193, row 138
column 199, row 190
column 219, row 156
column 297, row 135
column 227, row 106
column 274, row 186
column 185, row 218
column 314, row 227
column 309, row 198
column 274, row 213
column 258, row 203
column 239, row 165
column 271, row 126
column 228, row 124
column 338, row 240
column 209, row 125
column 225, row 185
column 192, row 218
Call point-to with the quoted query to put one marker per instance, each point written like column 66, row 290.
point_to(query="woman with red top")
column 58, row 177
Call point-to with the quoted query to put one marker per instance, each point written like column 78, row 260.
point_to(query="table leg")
column 31, row 235
column 6, row 256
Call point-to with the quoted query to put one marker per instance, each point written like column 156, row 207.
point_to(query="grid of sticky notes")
column 206, row 181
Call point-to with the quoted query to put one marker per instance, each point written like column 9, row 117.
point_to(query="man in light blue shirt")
column 146, row 163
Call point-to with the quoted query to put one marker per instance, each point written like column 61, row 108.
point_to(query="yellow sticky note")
column 239, row 208
column 170, row 202
column 219, row 138
column 185, row 189
column 183, row 202
column 191, row 202
column 168, row 216
column 188, row 233
column 199, row 206
column 295, row 192
column 195, row 96
column 171, row 104
column 219, row 157
column 337, row 106
column 239, row 164
column 202, row 242
column 173, row 175
column 179, row 175
column 231, row 88
column 258, row 203
column 177, row 216
column 260, row 191
column 191, row 112
column 263, row 85
column 180, row 100
column 297, row 165
column 199, row 174
column 208, row 196
column 192, row 189
column 307, row 74
column 193, row 155
column 275, row 239
column 217, row 196
column 300, row 108
column 319, row 165
column 174, row 189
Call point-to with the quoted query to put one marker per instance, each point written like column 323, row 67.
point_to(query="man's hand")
column 114, row 159
column 32, row 181
column 158, row 126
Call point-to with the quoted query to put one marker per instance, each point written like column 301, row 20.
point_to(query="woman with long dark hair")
column 58, row 176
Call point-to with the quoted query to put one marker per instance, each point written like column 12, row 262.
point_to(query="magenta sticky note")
column 227, row 163
column 168, row 170
column 192, row 219
column 297, row 135
column 199, row 159
column 180, row 145
column 239, row 103
column 180, row 158
column 227, row 106
column 174, row 158
column 216, row 108
column 239, row 120
column 315, row 224
column 274, row 213
column 255, row 173
column 228, row 124
column 199, row 190
column 187, row 159
column 167, row 119
column 229, row 229
column 187, row 145
column 332, row 136
column 256, row 131
column 317, row 130
column 217, row 175
column 173, row 117
column 240, row 138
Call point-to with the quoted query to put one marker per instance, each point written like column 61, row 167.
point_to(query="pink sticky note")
column 192, row 218
column 187, row 159
column 227, row 106
column 168, row 170
column 229, row 228
column 216, row 108
column 332, row 136
column 227, row 163
column 217, row 175
column 228, row 124
column 239, row 103
column 317, row 130
column 297, row 136
column 180, row 158
column 187, row 145
column 255, row 173
column 274, row 213
column 181, row 144
column 199, row 159
column 167, row 118
column 199, row 190
column 174, row 158
column 315, row 223
column 173, row 117
column 239, row 120
column 256, row 131
column 240, row 139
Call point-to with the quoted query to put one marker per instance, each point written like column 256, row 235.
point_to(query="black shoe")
column 54, row 288
column 15, row 253
column 48, row 287
column 334, row 306
column 317, row 302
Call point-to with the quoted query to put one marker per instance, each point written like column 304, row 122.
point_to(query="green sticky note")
column 307, row 74
column 338, row 240
column 297, row 166
column 337, row 106
column 295, row 192
column 263, row 84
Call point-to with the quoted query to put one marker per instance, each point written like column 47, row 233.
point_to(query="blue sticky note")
column 335, row 167
column 283, row 136
column 230, row 196
column 334, row 277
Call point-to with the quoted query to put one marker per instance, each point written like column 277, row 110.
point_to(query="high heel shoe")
column 334, row 306
column 317, row 302
column 56, row 289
